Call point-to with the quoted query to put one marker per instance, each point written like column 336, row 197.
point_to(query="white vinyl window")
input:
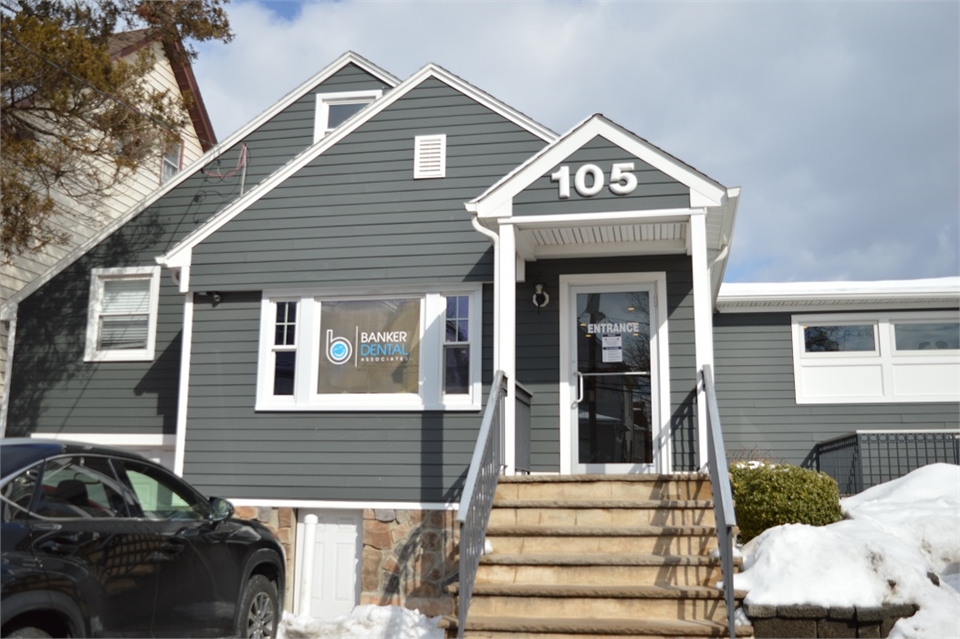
column 405, row 350
column 122, row 314
column 170, row 163
column 882, row 357
column 333, row 109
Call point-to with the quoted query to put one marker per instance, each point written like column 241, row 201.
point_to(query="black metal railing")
column 865, row 458
column 722, row 495
column 522, row 422
column 478, row 490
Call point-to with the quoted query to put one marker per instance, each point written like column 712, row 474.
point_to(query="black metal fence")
column 863, row 459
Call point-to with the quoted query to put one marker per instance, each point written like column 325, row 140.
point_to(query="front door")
column 613, row 385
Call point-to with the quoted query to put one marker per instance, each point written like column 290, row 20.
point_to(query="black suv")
column 98, row 542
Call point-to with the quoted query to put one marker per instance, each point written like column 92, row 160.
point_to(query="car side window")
column 160, row 496
column 17, row 495
column 79, row 486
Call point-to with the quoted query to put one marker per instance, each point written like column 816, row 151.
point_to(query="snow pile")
column 895, row 534
column 368, row 622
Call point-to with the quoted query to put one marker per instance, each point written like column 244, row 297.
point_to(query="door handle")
column 579, row 386
column 58, row 547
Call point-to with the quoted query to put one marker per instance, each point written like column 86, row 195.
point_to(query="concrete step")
column 598, row 512
column 479, row 627
column 577, row 540
column 604, row 487
column 598, row 602
column 599, row 569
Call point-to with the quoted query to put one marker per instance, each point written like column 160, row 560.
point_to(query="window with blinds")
column 122, row 317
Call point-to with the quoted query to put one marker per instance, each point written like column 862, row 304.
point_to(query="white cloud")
column 840, row 121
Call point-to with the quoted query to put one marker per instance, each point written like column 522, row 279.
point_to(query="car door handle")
column 172, row 547
column 55, row 547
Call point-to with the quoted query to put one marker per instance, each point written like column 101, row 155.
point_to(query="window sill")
column 120, row 356
column 359, row 407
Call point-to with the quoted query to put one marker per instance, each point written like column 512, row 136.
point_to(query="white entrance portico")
column 602, row 192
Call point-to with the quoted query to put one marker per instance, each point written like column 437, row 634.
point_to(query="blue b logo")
column 339, row 349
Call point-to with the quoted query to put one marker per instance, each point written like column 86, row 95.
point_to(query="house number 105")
column 622, row 181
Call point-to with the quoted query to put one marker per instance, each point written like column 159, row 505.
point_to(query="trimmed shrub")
column 772, row 495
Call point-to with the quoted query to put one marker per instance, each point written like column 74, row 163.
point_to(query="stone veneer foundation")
column 281, row 523
column 409, row 557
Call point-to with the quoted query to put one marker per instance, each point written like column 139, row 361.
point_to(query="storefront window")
column 369, row 346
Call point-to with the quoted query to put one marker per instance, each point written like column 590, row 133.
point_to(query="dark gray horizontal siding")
column 538, row 351
column 355, row 216
column 753, row 355
column 52, row 389
column 655, row 189
column 234, row 451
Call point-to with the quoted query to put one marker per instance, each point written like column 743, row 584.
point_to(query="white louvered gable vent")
column 430, row 159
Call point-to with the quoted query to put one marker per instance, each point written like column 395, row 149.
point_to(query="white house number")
column 589, row 179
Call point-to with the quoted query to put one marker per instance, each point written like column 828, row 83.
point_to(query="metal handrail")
column 477, row 498
column 722, row 495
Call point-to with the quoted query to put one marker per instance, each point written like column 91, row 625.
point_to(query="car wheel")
column 28, row 632
column 259, row 609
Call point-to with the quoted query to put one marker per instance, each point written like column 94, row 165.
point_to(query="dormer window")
column 333, row 109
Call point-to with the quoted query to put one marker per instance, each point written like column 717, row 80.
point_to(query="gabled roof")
column 705, row 191
column 74, row 255
column 127, row 43
column 180, row 255
column 943, row 292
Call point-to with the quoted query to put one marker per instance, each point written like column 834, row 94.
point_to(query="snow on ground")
column 892, row 537
column 368, row 622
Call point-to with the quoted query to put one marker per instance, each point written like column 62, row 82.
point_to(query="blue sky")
column 840, row 121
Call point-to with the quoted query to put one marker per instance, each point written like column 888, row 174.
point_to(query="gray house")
column 308, row 321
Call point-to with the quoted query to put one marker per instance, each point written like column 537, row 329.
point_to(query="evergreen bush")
column 768, row 495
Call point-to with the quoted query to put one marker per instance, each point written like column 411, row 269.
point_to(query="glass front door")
column 615, row 398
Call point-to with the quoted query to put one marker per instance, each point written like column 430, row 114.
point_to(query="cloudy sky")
column 840, row 121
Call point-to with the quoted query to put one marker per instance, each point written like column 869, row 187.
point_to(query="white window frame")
column 431, row 367
column 95, row 307
column 884, row 375
column 165, row 162
column 325, row 100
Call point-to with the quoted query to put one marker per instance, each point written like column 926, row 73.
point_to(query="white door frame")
column 659, row 365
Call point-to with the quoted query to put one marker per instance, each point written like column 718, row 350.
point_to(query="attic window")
column 430, row 159
column 333, row 109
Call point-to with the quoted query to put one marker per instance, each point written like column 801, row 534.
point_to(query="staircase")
column 600, row 555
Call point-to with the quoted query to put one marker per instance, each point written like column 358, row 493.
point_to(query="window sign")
column 369, row 346
column 612, row 347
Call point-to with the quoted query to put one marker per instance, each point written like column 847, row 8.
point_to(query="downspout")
column 495, row 240
column 10, row 316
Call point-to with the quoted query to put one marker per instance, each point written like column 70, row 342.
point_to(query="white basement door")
column 335, row 588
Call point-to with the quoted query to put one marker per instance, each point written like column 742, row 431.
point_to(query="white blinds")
column 125, row 314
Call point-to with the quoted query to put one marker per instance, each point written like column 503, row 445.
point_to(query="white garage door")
column 335, row 584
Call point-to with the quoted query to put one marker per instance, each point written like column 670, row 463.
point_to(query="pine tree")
column 74, row 121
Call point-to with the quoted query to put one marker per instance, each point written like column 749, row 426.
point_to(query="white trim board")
column 347, row 58
column 341, row 505
column 181, row 254
column 123, row 440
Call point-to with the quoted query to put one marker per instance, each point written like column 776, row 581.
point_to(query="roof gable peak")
column 705, row 192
